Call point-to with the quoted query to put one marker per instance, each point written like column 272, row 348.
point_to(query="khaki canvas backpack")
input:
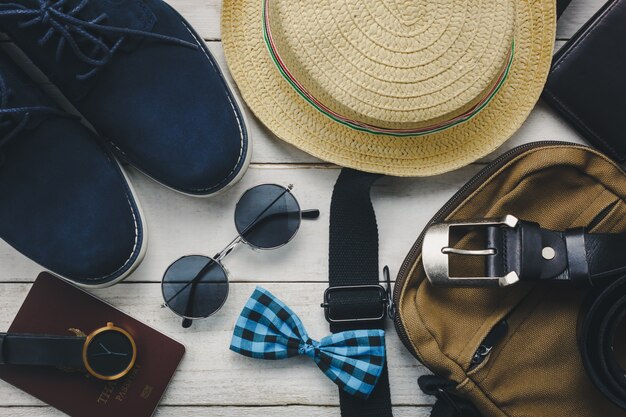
column 513, row 352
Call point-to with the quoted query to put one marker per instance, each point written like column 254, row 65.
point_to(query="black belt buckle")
column 383, row 299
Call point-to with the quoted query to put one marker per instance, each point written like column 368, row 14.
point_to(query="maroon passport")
column 52, row 307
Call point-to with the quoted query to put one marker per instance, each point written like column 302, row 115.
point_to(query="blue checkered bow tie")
column 268, row 329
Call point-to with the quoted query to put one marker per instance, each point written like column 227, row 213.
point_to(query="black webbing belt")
column 355, row 300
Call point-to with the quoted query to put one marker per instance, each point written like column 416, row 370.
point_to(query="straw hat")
column 399, row 87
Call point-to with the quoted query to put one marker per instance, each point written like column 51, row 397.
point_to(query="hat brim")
column 291, row 118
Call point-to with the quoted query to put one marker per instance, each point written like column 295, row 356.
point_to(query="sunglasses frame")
column 226, row 274
column 217, row 259
column 240, row 239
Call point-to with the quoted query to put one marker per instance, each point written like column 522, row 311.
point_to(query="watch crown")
column 110, row 324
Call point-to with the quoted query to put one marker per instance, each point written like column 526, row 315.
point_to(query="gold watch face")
column 109, row 353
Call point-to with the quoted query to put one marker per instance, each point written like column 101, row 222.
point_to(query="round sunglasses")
column 267, row 216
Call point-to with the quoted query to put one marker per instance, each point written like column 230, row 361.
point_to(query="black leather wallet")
column 587, row 83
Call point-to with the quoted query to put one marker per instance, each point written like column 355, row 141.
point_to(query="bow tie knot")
column 268, row 329
column 309, row 348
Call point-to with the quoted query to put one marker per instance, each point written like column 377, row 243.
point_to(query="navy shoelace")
column 84, row 37
column 14, row 119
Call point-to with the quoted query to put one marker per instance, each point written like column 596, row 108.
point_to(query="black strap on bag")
column 354, row 299
column 448, row 404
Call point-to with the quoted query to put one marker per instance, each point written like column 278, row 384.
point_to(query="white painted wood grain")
column 204, row 16
column 166, row 411
column 211, row 375
column 179, row 225
column 204, row 226
column 212, row 381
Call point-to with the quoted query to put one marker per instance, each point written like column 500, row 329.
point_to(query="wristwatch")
column 108, row 353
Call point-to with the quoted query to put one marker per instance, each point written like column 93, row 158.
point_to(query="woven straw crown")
column 393, row 64
column 398, row 87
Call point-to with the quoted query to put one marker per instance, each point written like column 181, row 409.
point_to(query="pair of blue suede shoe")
column 139, row 74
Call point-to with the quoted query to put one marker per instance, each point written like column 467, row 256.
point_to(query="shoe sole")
column 22, row 60
column 138, row 259
column 224, row 189
column 144, row 241
column 231, row 91
column 242, row 171
column 247, row 158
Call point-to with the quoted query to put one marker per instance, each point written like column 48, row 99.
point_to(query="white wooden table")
column 212, row 381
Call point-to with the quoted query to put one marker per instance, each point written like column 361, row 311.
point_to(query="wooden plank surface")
column 179, row 225
column 212, row 381
column 286, row 411
column 212, row 375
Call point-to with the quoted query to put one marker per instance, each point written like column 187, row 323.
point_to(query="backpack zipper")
column 495, row 336
column 602, row 215
column 447, row 208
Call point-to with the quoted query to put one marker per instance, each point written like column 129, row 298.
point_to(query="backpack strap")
column 353, row 264
column 448, row 404
column 355, row 299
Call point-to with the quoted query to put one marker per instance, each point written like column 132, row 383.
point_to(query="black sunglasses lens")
column 267, row 216
column 195, row 287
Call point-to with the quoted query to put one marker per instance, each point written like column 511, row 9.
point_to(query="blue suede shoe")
column 138, row 72
column 65, row 202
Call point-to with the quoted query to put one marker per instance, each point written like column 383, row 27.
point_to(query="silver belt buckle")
column 436, row 248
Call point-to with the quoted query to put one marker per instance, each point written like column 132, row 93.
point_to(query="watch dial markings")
column 109, row 353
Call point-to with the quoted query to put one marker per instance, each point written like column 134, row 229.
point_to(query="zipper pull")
column 489, row 342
